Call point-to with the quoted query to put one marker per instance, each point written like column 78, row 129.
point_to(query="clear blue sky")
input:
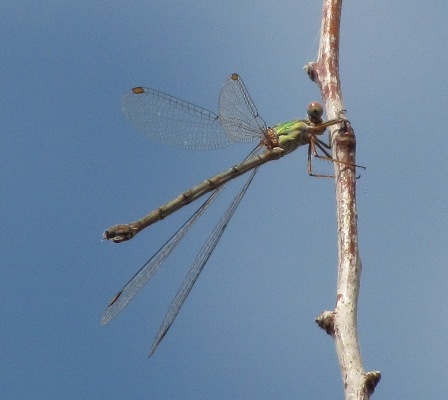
column 71, row 166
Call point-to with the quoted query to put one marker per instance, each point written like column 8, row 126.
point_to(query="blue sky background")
column 71, row 166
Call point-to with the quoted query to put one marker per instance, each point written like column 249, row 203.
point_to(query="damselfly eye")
column 315, row 110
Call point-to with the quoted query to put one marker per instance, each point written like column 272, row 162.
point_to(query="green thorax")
column 292, row 134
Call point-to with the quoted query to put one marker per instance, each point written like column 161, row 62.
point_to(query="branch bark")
column 341, row 323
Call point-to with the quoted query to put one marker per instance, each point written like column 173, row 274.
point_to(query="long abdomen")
column 123, row 232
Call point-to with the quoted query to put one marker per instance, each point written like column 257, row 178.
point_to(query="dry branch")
column 341, row 323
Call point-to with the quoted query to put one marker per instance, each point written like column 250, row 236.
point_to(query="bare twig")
column 341, row 323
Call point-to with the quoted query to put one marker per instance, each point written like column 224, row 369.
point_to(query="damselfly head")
column 315, row 112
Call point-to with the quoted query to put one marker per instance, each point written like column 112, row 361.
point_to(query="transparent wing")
column 237, row 112
column 136, row 283
column 198, row 265
column 139, row 280
column 173, row 121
